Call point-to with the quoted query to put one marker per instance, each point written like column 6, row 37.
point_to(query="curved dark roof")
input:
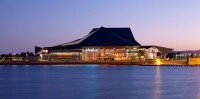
column 103, row 37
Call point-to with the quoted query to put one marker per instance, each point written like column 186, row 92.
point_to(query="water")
column 99, row 82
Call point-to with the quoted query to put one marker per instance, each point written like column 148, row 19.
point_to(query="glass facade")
column 122, row 53
column 65, row 55
column 109, row 54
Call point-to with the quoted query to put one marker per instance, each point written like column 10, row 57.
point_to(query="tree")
column 170, row 55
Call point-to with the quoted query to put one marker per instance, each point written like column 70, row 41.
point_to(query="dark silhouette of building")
column 101, row 44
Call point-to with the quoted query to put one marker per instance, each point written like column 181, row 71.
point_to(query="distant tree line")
column 180, row 56
column 9, row 56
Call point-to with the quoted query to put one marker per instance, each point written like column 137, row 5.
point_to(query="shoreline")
column 98, row 63
column 70, row 63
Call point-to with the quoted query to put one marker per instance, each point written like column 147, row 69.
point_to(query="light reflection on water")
column 157, row 91
column 198, row 80
column 99, row 82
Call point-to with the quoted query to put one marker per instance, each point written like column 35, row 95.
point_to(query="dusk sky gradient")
column 28, row 23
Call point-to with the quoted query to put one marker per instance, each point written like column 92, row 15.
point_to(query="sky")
column 28, row 23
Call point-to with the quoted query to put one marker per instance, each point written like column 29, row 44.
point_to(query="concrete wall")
column 194, row 61
column 164, row 62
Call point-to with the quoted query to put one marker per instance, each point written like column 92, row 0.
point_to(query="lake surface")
column 99, row 82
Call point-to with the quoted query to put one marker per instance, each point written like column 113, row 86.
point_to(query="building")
column 154, row 52
column 17, row 58
column 101, row 44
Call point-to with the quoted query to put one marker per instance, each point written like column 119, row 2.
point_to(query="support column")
column 83, row 55
column 104, row 54
column 93, row 53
